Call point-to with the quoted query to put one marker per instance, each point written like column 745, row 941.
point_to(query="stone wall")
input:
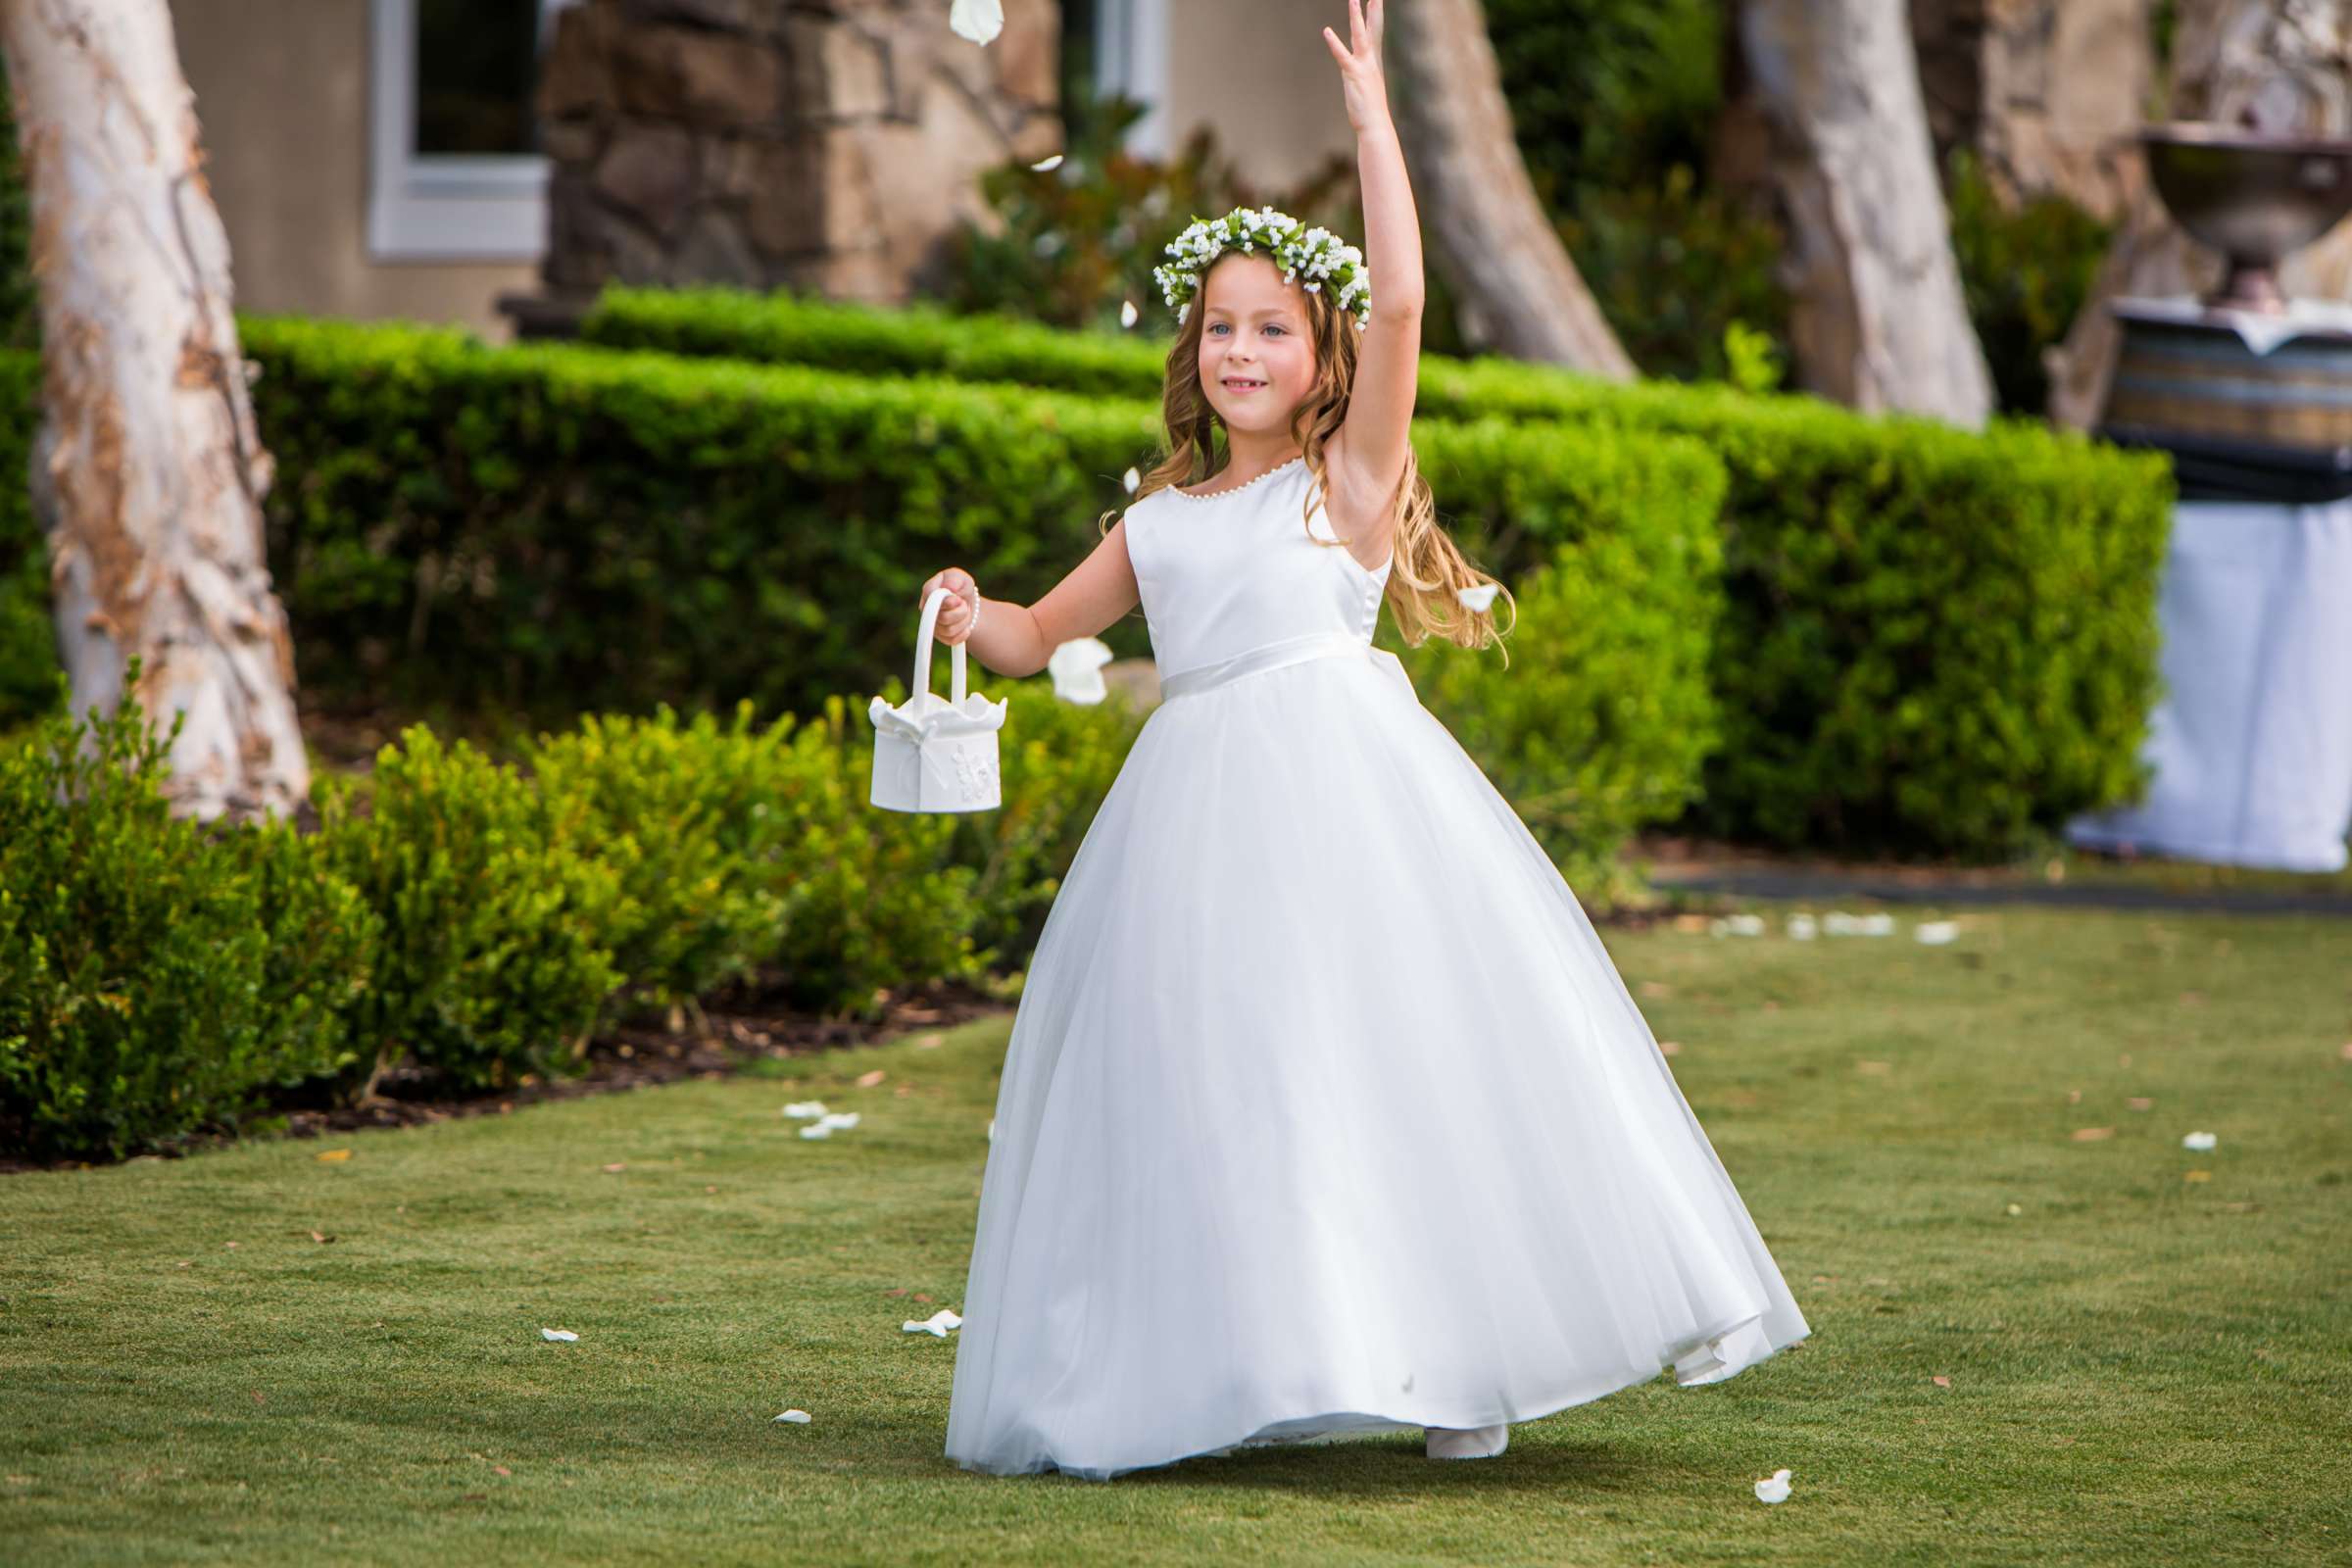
column 2048, row 93
column 821, row 144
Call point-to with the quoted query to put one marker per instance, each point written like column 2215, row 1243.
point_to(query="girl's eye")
column 1217, row 327
column 1271, row 328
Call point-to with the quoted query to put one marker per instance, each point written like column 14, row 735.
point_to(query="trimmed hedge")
column 621, row 529
column 1937, row 640
column 476, row 919
column 155, row 977
column 553, row 527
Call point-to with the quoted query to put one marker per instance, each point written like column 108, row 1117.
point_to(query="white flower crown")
column 1314, row 254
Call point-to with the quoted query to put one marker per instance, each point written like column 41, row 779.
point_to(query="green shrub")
column 554, row 528
column 1603, row 719
column 2025, row 275
column 1615, row 105
column 20, row 294
column 749, row 849
column 883, row 904
column 686, row 817
column 155, row 978
column 498, row 921
column 587, row 528
column 1935, row 641
column 1056, row 760
column 28, row 669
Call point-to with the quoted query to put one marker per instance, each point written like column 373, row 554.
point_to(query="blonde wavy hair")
column 1429, row 570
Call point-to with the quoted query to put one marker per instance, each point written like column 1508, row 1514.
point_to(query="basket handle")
column 922, row 651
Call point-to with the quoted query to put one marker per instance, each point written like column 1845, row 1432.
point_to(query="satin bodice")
column 1221, row 575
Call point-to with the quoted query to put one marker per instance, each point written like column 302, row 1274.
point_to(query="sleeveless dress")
column 1324, row 1110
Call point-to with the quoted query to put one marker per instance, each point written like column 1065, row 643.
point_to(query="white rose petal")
column 799, row 1418
column 1478, row 598
column 1128, row 313
column 991, row 1129
column 1875, row 925
column 1936, row 933
column 1047, row 165
column 938, row 1323
column 806, row 1108
column 824, row 1125
column 1739, row 925
column 558, row 1334
column 1131, row 479
column 1802, row 928
column 1077, row 670
column 1775, row 1489
column 977, row 19
column 2200, row 1142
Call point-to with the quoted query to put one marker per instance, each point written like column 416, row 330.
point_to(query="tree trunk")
column 148, row 474
column 1876, row 316
column 1516, row 288
column 2282, row 66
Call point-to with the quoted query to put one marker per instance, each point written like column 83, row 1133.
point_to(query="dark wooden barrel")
column 2200, row 381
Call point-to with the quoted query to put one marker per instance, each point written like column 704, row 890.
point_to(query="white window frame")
column 444, row 206
column 1131, row 59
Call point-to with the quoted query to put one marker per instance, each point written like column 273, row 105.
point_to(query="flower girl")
column 1325, row 1111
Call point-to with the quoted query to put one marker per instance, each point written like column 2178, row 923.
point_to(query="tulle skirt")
column 1325, row 1112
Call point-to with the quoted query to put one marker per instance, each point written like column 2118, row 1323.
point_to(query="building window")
column 455, row 170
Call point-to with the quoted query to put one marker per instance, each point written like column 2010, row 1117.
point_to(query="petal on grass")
column 799, row 1418
column 558, row 1334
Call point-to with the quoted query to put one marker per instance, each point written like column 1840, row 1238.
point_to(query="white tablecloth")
column 2252, row 741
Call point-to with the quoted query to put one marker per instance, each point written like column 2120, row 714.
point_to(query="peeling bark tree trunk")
column 148, row 472
column 1877, row 315
column 2286, row 67
column 1513, row 282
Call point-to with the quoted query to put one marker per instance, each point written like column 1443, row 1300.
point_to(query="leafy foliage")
column 498, row 922
column 1934, row 639
column 2025, row 275
column 154, row 977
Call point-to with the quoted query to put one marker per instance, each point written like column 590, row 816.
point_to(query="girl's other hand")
column 962, row 611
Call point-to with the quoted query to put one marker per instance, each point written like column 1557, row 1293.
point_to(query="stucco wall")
column 281, row 98
column 1260, row 75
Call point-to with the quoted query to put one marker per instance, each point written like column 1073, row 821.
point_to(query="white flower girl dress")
column 1324, row 1111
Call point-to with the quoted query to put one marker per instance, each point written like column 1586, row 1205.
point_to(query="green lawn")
column 2143, row 1370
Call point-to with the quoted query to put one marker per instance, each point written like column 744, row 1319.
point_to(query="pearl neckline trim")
column 1215, row 495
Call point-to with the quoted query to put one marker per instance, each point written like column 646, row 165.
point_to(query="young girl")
column 1325, row 1111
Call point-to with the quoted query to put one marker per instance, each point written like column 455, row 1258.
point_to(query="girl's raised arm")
column 1380, row 409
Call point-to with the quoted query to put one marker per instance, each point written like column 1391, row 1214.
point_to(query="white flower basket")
column 936, row 753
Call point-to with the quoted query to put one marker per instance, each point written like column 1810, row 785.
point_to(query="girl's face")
column 1257, row 362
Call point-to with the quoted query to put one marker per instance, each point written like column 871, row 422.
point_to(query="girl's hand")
column 1360, row 75
column 961, row 609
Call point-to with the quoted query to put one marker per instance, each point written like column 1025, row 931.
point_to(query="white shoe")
column 1476, row 1443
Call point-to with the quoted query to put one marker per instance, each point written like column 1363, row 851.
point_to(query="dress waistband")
column 1274, row 656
